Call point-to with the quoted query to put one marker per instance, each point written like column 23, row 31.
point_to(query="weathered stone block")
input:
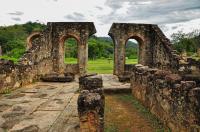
column 91, row 112
column 173, row 78
column 55, row 77
column 90, row 82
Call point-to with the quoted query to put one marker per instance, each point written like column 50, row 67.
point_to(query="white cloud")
column 16, row 13
column 171, row 15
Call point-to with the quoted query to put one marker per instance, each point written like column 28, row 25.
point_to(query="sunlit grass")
column 71, row 60
column 103, row 66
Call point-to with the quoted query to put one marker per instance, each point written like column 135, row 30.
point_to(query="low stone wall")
column 16, row 75
column 189, row 66
column 35, row 62
column 91, row 104
column 171, row 98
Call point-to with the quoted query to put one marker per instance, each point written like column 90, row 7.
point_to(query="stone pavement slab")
column 37, row 107
column 46, row 107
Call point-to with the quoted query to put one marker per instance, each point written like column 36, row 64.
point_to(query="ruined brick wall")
column 45, row 54
column 163, row 55
column 155, row 50
column 189, row 66
column 171, row 97
column 36, row 62
column 61, row 31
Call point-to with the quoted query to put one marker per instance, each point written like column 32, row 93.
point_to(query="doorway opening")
column 71, row 51
column 131, row 51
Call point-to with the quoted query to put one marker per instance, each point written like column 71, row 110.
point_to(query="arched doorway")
column 136, row 44
column 134, row 53
column 121, row 33
column 71, row 51
column 68, row 54
column 131, row 51
column 32, row 37
column 120, row 44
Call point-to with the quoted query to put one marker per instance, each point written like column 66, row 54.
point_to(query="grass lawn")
column 103, row 66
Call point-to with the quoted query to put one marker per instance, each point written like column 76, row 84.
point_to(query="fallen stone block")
column 90, row 82
column 54, row 77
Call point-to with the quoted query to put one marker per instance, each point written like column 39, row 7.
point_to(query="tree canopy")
column 189, row 42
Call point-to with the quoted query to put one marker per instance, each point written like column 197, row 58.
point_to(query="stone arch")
column 31, row 38
column 65, row 37
column 60, row 31
column 121, row 33
column 62, row 40
column 141, row 47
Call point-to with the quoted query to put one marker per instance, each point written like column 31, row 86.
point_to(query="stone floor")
column 111, row 82
column 43, row 107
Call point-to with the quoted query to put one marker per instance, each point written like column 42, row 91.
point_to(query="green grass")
column 100, row 66
column 103, row 66
column 71, row 61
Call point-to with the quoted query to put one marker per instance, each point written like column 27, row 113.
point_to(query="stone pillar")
column 82, row 58
column 119, row 57
column 91, row 104
column 1, row 51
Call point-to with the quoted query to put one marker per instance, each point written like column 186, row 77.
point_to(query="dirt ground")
column 122, row 116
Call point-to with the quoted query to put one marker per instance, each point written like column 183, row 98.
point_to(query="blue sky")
column 170, row 15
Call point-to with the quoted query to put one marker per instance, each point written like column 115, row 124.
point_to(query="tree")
column 186, row 42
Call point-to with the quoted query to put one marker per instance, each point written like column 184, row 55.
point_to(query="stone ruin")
column 167, row 84
column 91, row 104
column 155, row 50
column 45, row 55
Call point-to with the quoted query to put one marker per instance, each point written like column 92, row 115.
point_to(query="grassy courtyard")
column 103, row 66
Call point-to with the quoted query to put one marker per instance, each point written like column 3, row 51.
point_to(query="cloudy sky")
column 170, row 15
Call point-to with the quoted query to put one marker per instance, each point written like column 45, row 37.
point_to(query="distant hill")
column 129, row 45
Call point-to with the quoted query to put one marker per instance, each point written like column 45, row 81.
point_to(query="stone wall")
column 163, row 55
column 61, row 31
column 190, row 66
column 172, row 98
column 155, row 50
column 36, row 62
column 45, row 54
